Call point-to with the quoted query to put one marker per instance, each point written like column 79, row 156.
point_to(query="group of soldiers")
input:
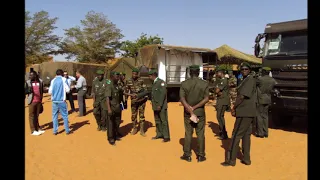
column 110, row 98
column 248, row 100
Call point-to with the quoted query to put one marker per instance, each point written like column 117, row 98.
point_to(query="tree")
column 97, row 40
column 39, row 38
column 131, row 48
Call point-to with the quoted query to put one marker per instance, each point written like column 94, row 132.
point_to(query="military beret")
column 152, row 72
column 266, row 68
column 220, row 69
column 100, row 72
column 245, row 64
column 115, row 73
column 194, row 67
column 122, row 73
column 135, row 70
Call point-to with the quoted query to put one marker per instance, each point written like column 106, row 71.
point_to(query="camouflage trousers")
column 135, row 108
column 233, row 95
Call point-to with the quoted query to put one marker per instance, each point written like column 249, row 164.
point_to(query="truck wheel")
column 281, row 120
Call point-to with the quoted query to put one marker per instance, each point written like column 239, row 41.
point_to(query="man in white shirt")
column 58, row 90
column 69, row 80
column 81, row 87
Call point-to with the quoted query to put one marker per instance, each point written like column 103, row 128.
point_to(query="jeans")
column 62, row 108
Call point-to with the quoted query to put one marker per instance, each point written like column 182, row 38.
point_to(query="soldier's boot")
column 142, row 129
column 134, row 128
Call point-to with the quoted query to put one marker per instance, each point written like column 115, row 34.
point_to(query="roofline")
column 192, row 49
column 287, row 26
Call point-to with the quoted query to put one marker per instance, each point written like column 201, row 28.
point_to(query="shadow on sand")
column 224, row 143
column 125, row 130
column 73, row 127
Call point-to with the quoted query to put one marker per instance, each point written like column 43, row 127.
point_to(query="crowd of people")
column 248, row 101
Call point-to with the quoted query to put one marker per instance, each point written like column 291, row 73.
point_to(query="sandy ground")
column 86, row 155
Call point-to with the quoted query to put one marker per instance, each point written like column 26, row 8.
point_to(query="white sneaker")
column 41, row 131
column 35, row 133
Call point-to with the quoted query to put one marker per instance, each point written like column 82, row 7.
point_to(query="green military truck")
column 285, row 51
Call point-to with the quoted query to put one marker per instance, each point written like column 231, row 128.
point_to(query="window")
column 287, row 43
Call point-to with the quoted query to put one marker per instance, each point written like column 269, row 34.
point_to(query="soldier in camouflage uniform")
column 121, row 84
column 135, row 85
column 232, row 87
column 99, row 86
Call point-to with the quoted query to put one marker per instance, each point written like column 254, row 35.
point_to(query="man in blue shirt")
column 58, row 90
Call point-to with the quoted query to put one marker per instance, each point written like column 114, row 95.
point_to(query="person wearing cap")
column 244, row 110
column 69, row 80
column 223, row 101
column 113, row 99
column 159, row 106
column 265, row 84
column 194, row 94
column 99, row 87
column 136, row 85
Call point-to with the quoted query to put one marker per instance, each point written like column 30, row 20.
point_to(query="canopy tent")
column 228, row 55
column 125, row 65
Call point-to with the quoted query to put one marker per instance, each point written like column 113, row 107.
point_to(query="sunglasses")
column 244, row 69
column 65, row 74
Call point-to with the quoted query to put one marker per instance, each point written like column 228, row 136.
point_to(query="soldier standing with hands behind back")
column 223, row 102
column 265, row 84
column 194, row 94
column 99, row 87
column 244, row 110
column 159, row 106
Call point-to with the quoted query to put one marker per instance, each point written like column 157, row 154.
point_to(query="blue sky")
column 201, row 23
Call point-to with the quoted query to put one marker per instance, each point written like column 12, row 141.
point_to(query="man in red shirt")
column 34, row 90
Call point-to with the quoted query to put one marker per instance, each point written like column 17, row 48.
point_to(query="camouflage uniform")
column 135, row 87
column 232, row 88
column 124, row 99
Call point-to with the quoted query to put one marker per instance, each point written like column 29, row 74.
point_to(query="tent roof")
column 180, row 48
column 125, row 61
column 225, row 52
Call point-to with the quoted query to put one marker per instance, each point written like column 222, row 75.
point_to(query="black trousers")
column 70, row 98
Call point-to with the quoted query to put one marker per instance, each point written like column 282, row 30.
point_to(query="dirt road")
column 86, row 155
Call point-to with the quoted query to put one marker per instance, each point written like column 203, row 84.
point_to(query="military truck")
column 285, row 51
column 172, row 63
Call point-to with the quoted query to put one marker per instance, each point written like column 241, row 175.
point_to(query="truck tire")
column 280, row 120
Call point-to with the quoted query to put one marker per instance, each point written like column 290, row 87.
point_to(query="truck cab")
column 285, row 51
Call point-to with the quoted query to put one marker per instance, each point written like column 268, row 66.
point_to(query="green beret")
column 115, row 73
column 100, row 72
column 245, row 64
column 266, row 68
column 194, row 67
column 122, row 73
column 220, row 69
column 135, row 70
column 152, row 72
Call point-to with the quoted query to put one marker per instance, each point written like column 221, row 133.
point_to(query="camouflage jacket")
column 232, row 81
column 122, row 84
column 135, row 86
